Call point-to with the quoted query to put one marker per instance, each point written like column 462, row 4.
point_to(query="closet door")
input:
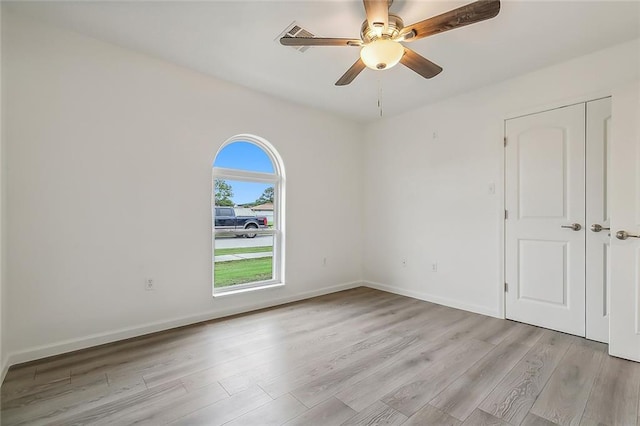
column 624, row 316
column 545, row 228
column 598, row 161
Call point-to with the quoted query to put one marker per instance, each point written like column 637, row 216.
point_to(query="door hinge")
column 505, row 141
column 506, row 287
column 506, row 214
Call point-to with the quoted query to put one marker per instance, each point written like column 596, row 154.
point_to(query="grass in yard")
column 236, row 250
column 242, row 271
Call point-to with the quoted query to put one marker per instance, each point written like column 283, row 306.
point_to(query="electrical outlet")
column 149, row 284
column 324, row 261
column 434, row 267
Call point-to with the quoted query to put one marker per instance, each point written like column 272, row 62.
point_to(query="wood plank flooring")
column 358, row 357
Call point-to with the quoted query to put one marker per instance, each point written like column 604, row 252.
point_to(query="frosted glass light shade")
column 381, row 54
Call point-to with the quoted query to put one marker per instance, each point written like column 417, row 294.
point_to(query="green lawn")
column 242, row 271
column 261, row 249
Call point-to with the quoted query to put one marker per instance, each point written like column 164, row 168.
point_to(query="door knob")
column 596, row 227
column 623, row 235
column 574, row 226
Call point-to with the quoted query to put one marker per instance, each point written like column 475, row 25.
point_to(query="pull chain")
column 380, row 98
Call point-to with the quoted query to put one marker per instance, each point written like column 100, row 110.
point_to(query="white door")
column 597, row 222
column 545, row 198
column 624, row 318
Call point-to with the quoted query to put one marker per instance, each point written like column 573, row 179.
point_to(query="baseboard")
column 434, row 299
column 3, row 373
column 58, row 348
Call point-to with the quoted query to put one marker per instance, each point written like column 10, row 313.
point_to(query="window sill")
column 246, row 290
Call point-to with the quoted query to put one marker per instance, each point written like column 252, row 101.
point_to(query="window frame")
column 276, row 179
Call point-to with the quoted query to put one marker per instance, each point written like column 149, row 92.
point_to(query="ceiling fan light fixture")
column 381, row 54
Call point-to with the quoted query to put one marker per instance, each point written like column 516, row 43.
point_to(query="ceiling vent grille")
column 295, row 30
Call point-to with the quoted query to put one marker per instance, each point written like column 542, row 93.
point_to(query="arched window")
column 247, row 215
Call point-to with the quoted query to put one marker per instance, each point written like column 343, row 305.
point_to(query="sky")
column 245, row 156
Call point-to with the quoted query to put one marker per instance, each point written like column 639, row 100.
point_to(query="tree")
column 224, row 192
column 266, row 197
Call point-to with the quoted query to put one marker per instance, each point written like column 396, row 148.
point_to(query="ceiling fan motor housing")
column 368, row 34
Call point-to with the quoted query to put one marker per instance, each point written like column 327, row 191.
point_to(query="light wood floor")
column 359, row 357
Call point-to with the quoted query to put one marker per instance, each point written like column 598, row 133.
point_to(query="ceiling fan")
column 382, row 33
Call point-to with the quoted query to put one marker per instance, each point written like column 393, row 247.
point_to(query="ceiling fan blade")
column 351, row 73
column 420, row 64
column 465, row 15
column 377, row 13
column 318, row 41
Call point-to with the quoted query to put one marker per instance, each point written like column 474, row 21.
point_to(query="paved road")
column 260, row 240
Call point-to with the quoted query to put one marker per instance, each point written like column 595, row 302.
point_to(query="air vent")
column 295, row 30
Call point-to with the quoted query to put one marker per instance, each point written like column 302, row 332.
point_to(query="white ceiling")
column 236, row 41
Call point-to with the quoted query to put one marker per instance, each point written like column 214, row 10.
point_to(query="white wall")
column 436, row 190
column 108, row 174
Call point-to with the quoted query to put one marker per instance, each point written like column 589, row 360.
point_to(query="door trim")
column 549, row 106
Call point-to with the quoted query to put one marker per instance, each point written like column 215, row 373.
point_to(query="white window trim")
column 278, row 180
column 245, row 175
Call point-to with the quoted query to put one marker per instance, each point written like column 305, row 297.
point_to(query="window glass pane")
column 244, row 156
column 242, row 260
column 248, row 258
column 256, row 196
